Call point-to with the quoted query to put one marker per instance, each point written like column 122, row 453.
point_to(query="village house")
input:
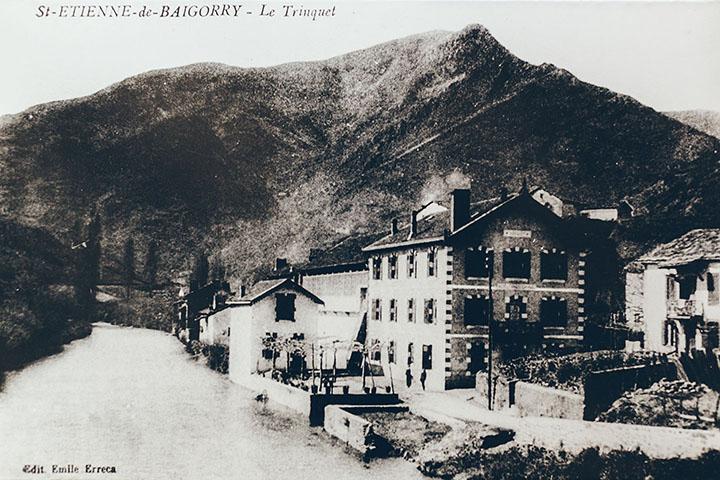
column 193, row 310
column 272, row 310
column 673, row 293
column 428, row 293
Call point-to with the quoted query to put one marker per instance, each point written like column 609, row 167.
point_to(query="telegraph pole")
column 489, row 265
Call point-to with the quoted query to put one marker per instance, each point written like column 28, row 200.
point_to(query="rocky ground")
column 670, row 404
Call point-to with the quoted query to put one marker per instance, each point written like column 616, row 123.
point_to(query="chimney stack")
column 394, row 226
column 280, row 263
column 413, row 224
column 243, row 291
column 459, row 208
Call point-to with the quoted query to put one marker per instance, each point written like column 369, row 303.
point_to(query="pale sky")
column 666, row 55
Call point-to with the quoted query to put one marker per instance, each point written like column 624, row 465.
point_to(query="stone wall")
column 348, row 428
column 291, row 397
column 537, row 401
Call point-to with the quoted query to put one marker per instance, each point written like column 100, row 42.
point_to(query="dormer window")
column 553, row 264
column 393, row 266
column 516, row 263
column 478, row 262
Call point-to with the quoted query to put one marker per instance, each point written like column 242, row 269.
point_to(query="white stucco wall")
column 339, row 291
column 654, row 306
column 418, row 332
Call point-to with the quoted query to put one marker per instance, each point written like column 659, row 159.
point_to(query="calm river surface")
column 131, row 398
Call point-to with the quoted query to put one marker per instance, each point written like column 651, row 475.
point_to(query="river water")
column 133, row 399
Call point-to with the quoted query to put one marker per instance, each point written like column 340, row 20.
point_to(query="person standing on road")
column 408, row 377
column 423, row 377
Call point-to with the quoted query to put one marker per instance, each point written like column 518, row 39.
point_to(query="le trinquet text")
column 169, row 11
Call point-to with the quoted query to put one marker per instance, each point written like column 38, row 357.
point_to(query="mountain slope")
column 706, row 121
column 254, row 163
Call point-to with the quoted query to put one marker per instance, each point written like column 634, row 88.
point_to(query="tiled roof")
column 433, row 227
column 696, row 245
column 266, row 287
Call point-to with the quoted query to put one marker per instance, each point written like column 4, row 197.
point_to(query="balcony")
column 684, row 309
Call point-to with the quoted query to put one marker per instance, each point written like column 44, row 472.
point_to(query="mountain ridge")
column 254, row 163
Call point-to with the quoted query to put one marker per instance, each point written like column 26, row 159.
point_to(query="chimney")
column 459, row 208
column 413, row 224
column 280, row 264
column 394, row 226
column 503, row 194
column 243, row 291
column 314, row 254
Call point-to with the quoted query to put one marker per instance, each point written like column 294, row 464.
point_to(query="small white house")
column 675, row 293
column 279, row 309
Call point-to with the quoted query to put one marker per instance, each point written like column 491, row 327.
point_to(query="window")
column 285, row 307
column 553, row 265
column 478, row 262
column 393, row 310
column 427, row 357
column 515, row 308
column 391, row 351
column 411, row 310
column 713, row 294
column 553, row 312
column 393, row 266
column 516, row 263
column 375, row 353
column 431, row 262
column 411, row 354
column 411, row 265
column 377, row 268
column 687, row 286
column 376, row 309
column 430, row 310
column 477, row 310
column 477, row 357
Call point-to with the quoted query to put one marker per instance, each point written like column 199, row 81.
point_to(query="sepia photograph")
column 470, row 240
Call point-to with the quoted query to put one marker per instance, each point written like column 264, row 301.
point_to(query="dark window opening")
column 431, row 263
column 285, row 307
column 393, row 310
column 411, row 265
column 553, row 265
column 477, row 357
column 430, row 310
column 687, row 286
column 411, row 310
column 393, row 266
column 477, row 310
column 376, row 309
column 391, row 352
column 427, row 357
column 478, row 262
column 375, row 353
column 377, row 268
column 553, row 312
column 516, row 264
column 411, row 354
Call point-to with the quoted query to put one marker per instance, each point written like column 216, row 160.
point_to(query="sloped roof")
column 432, row 228
column 702, row 244
column 264, row 288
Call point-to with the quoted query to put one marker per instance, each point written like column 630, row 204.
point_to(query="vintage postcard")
column 351, row 240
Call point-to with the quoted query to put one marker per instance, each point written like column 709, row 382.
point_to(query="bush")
column 568, row 372
column 216, row 356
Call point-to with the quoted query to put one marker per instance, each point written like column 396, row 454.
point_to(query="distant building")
column 195, row 306
column 676, row 296
column 428, row 290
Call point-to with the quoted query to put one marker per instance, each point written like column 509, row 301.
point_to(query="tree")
column 151, row 265
column 129, row 266
column 217, row 270
column 86, row 246
column 200, row 272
